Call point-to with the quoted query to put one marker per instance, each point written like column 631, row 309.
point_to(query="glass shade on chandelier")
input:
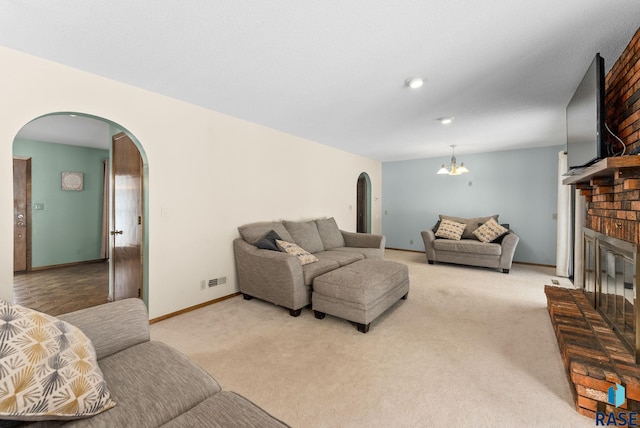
column 453, row 169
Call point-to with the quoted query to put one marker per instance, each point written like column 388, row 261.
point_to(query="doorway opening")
column 69, row 220
column 363, row 197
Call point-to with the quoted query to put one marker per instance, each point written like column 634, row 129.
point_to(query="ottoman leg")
column 295, row 313
column 363, row 328
column 319, row 315
column 405, row 296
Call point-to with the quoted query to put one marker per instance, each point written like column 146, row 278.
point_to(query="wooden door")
column 362, row 212
column 127, row 218
column 21, row 214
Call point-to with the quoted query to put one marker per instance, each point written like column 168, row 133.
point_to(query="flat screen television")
column 586, row 139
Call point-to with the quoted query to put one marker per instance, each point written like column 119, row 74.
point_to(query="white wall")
column 208, row 171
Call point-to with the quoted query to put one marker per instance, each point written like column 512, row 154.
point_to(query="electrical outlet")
column 411, row 242
column 203, row 284
column 77, row 250
column 555, row 282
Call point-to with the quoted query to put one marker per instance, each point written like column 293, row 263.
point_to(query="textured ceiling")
column 333, row 72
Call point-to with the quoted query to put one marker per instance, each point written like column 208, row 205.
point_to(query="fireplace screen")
column 613, row 288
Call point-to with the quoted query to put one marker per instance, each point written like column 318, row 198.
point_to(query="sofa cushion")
column 368, row 253
column 342, row 257
column 330, row 233
column 304, row 256
column 112, row 331
column 472, row 223
column 305, row 234
column 471, row 246
column 152, row 384
column 269, row 241
column 450, row 229
column 489, row 231
column 48, row 368
column 312, row 270
column 253, row 232
column 226, row 410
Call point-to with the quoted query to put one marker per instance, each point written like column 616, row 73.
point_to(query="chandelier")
column 453, row 168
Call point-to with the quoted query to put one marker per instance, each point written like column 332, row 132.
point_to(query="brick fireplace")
column 616, row 200
column 595, row 357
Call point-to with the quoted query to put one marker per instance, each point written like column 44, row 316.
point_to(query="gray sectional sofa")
column 152, row 384
column 280, row 278
column 469, row 250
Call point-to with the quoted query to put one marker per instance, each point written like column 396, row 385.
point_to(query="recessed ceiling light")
column 445, row 120
column 414, row 82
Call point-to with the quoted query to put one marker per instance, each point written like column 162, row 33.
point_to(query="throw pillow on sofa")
column 450, row 229
column 48, row 367
column 471, row 223
column 304, row 256
column 269, row 241
column 489, row 231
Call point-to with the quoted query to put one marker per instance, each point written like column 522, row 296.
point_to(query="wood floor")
column 65, row 289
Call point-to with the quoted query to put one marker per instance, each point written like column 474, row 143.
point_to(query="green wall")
column 68, row 228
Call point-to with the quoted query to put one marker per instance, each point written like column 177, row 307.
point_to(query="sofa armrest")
column 112, row 327
column 270, row 275
column 428, row 237
column 363, row 240
column 509, row 244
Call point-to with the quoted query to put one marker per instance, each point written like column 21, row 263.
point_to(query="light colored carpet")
column 469, row 347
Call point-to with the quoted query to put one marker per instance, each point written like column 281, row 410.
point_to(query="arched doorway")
column 70, row 211
column 363, row 197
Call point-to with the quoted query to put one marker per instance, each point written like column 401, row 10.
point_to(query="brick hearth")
column 593, row 355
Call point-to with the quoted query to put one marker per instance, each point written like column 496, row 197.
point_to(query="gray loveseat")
column 152, row 384
column 280, row 278
column 469, row 250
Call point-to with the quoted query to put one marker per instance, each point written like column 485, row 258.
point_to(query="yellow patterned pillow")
column 489, row 231
column 450, row 229
column 48, row 368
column 303, row 255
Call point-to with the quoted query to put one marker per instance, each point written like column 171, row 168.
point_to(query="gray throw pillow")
column 269, row 241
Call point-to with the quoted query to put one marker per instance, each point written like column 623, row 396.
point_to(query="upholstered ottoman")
column 360, row 291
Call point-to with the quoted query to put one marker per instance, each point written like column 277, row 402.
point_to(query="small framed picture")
column 72, row 181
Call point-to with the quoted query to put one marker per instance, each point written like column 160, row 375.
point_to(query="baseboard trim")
column 63, row 265
column 534, row 264
column 520, row 263
column 404, row 249
column 193, row 308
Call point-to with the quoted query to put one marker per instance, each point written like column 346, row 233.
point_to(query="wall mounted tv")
column 586, row 139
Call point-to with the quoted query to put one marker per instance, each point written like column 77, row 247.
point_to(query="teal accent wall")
column 519, row 185
column 68, row 229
